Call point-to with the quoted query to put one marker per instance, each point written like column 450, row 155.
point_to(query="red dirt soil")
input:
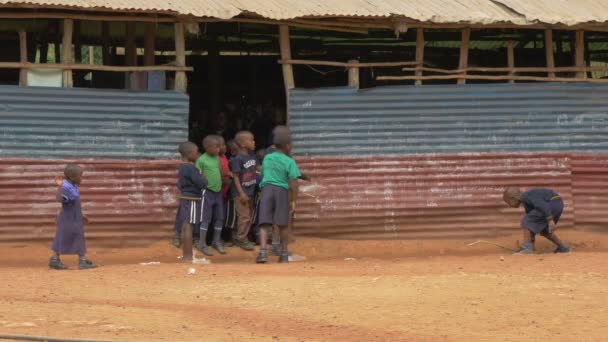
column 383, row 291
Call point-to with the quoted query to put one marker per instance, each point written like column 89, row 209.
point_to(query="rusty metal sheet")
column 398, row 120
column 91, row 123
column 129, row 203
column 423, row 196
column 590, row 190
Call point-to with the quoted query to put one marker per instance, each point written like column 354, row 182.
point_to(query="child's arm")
column 197, row 179
column 237, row 184
column 293, row 173
column 293, row 187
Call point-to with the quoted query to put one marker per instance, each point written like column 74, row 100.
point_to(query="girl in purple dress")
column 69, row 236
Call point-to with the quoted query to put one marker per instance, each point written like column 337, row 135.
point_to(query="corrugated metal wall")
column 91, row 123
column 126, row 142
column 450, row 119
column 431, row 162
column 129, row 203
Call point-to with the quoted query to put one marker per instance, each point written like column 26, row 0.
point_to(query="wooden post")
column 181, row 82
column 579, row 38
column 68, row 26
column 149, row 44
column 91, row 54
column 130, row 46
column 105, row 43
column 353, row 75
column 510, row 59
column 464, row 52
column 549, row 52
column 23, row 57
column 287, row 68
column 419, row 53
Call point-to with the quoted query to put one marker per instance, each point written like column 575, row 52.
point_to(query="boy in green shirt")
column 212, row 205
column 279, row 177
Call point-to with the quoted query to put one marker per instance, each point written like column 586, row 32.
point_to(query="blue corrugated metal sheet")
column 450, row 119
column 91, row 123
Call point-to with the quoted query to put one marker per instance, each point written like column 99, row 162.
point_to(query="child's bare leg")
column 262, row 257
column 528, row 245
column 187, row 242
column 561, row 246
column 284, row 238
column 264, row 236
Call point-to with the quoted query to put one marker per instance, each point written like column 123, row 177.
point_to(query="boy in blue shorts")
column 191, row 186
column 212, row 197
column 543, row 208
column 280, row 175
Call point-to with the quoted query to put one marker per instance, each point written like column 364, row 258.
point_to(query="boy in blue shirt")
column 543, row 208
column 279, row 177
column 191, row 186
column 243, row 167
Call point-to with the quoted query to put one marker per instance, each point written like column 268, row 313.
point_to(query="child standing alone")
column 543, row 208
column 243, row 167
column 69, row 236
column 212, row 197
column 280, row 175
column 191, row 186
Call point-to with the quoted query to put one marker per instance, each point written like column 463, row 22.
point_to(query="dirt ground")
column 344, row 291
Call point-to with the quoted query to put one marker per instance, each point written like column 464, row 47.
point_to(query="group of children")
column 211, row 181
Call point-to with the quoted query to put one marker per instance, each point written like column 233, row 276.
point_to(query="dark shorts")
column 230, row 214
column 189, row 211
column 213, row 209
column 536, row 222
column 274, row 206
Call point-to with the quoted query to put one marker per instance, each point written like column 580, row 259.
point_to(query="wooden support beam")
column 419, row 52
column 150, row 44
column 130, row 46
column 549, row 54
column 579, row 48
column 18, row 65
column 346, row 65
column 181, row 81
column 353, row 74
column 23, row 57
column 68, row 26
column 493, row 78
column 464, row 52
column 91, row 54
column 285, row 45
column 510, row 59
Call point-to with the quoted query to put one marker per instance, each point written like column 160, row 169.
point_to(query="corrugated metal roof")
column 91, row 123
column 473, row 11
column 424, row 196
column 568, row 12
column 436, row 11
column 128, row 203
column 450, row 119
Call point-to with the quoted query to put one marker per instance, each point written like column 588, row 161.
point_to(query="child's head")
column 188, row 151
column 512, row 196
column 211, row 144
column 73, row 173
column 232, row 147
column 282, row 138
column 245, row 141
column 222, row 143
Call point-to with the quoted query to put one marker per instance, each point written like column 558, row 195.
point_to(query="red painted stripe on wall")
column 129, row 203
column 439, row 195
